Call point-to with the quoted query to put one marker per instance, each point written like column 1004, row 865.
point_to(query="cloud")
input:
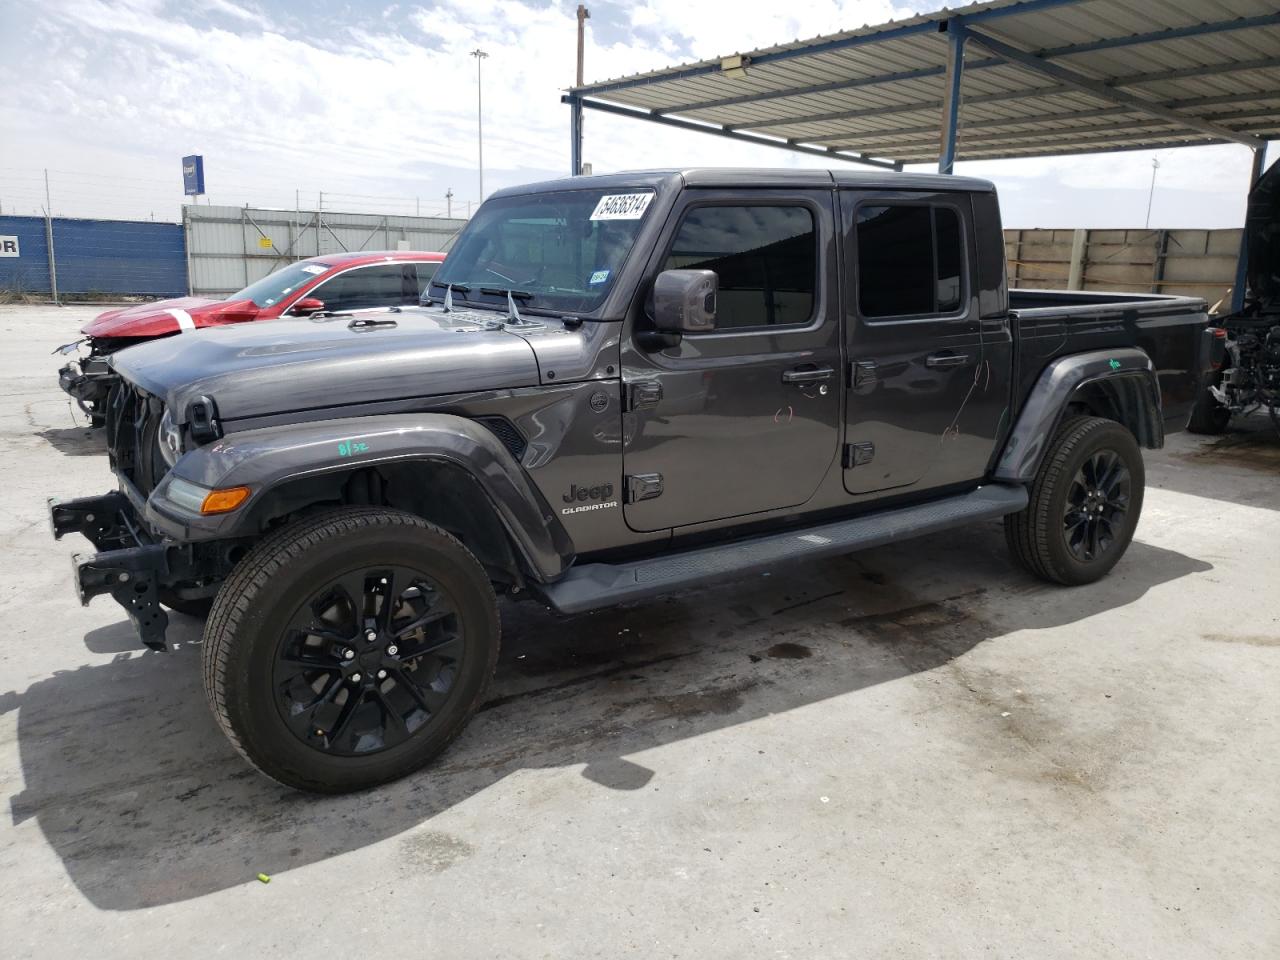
column 375, row 104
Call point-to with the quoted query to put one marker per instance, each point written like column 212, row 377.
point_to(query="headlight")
column 170, row 438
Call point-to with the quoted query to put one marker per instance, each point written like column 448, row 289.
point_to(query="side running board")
column 594, row 585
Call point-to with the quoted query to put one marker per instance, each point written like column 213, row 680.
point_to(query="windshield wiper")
column 513, row 313
column 448, row 293
column 501, row 292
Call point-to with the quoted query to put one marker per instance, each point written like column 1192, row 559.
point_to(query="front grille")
column 506, row 431
column 133, row 442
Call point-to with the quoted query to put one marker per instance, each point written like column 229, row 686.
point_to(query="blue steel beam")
column 1242, row 259
column 956, row 34
column 715, row 131
column 1100, row 137
column 839, row 43
column 925, row 155
column 843, row 141
column 1203, row 29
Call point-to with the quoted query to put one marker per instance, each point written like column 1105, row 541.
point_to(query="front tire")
column 350, row 648
column 1084, row 503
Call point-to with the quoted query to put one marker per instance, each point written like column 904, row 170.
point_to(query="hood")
column 258, row 369
column 155, row 319
column 1262, row 230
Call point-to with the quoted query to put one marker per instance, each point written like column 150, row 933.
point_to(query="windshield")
column 556, row 251
column 274, row 287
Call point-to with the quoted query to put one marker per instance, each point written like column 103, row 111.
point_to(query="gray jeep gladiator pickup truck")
column 616, row 387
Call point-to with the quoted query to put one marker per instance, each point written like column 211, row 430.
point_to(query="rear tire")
column 1084, row 503
column 350, row 648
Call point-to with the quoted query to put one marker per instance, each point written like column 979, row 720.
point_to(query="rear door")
column 744, row 419
column 922, row 405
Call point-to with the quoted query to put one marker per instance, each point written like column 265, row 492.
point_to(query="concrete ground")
column 917, row 751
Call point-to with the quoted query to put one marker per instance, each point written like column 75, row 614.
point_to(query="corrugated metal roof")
column 878, row 91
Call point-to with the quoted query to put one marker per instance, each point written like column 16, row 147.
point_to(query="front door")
column 744, row 419
column 923, row 401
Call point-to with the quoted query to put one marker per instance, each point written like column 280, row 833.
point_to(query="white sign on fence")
column 9, row 247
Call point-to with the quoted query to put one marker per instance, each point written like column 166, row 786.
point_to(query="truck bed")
column 1050, row 323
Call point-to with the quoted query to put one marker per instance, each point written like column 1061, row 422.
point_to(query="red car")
column 328, row 284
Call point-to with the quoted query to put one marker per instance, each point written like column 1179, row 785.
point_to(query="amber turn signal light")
column 224, row 501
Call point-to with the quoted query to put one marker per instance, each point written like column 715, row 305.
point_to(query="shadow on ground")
column 76, row 441
column 144, row 801
column 1249, row 451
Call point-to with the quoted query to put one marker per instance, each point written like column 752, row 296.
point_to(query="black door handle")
column 808, row 375
column 941, row 360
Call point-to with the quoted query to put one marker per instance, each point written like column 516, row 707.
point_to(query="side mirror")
column 684, row 301
column 307, row 306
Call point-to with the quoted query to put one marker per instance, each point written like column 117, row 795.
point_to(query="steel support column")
column 575, row 134
column 956, row 33
column 1242, row 260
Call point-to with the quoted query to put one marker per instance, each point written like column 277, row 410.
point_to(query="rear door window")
column 910, row 260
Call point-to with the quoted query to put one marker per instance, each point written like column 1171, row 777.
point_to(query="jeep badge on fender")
column 601, row 491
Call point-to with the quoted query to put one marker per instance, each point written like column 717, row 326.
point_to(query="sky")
column 374, row 104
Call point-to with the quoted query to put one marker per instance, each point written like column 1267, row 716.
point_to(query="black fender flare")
column 266, row 459
column 1124, row 378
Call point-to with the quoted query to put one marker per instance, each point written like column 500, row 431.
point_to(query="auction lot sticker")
column 622, row 206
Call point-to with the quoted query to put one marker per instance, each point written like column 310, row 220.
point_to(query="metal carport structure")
column 997, row 80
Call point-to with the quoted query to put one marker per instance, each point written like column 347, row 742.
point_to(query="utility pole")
column 576, row 117
column 583, row 16
column 448, row 201
column 48, row 239
column 480, row 55
column 1155, row 165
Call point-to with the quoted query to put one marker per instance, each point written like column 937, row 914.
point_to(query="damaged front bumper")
column 88, row 382
column 130, row 565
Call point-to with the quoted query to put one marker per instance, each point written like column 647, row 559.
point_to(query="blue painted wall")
column 96, row 257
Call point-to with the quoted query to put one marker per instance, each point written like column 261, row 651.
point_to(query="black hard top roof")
column 758, row 177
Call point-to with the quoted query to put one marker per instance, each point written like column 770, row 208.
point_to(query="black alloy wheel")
column 368, row 660
column 1097, row 506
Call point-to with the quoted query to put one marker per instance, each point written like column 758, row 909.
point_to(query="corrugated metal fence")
column 92, row 258
column 230, row 247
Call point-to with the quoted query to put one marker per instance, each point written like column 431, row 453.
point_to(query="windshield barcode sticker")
column 622, row 206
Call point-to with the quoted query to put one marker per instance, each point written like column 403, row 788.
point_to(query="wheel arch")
column 443, row 468
column 1119, row 385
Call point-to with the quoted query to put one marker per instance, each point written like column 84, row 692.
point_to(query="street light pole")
column 480, row 55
